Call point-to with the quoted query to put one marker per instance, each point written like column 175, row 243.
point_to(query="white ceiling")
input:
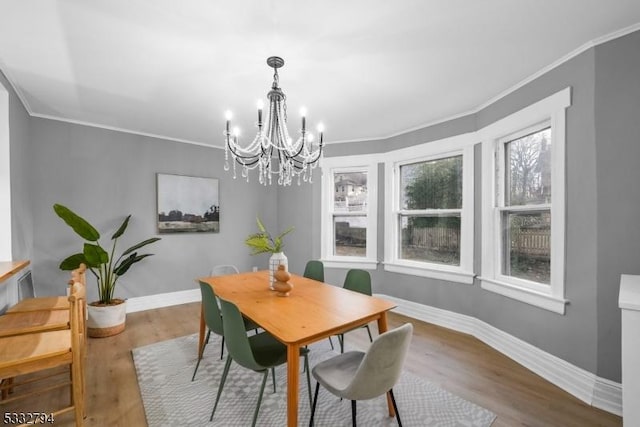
column 367, row 68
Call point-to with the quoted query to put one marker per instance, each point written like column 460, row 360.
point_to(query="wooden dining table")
column 313, row 311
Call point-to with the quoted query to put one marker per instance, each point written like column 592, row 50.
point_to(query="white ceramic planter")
column 276, row 259
column 105, row 321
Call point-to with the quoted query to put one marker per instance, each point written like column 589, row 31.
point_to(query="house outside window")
column 429, row 210
column 523, row 197
column 349, row 212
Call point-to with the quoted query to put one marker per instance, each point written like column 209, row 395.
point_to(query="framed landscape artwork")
column 187, row 204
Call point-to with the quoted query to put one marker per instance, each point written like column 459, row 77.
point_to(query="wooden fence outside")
column 534, row 242
column 529, row 242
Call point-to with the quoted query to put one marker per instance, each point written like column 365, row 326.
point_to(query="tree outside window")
column 526, row 217
column 431, row 203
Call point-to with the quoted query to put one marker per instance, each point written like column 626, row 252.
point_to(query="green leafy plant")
column 262, row 241
column 100, row 262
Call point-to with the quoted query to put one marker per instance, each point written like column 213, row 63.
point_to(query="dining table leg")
column 293, row 367
column 203, row 328
column 382, row 327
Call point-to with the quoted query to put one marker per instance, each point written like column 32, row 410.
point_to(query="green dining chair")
column 314, row 270
column 260, row 353
column 213, row 320
column 356, row 375
column 357, row 281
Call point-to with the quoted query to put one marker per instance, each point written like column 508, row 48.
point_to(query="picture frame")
column 187, row 204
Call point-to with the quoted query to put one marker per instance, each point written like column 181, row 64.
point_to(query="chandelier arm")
column 300, row 164
column 309, row 161
column 236, row 153
column 318, row 154
column 251, row 163
column 253, row 150
column 299, row 151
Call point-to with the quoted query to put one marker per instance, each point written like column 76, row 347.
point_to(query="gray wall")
column 299, row 206
column 21, row 212
column 602, row 202
column 104, row 175
column 571, row 337
column 617, row 130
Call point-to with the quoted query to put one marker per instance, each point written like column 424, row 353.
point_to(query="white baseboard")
column 586, row 386
column 150, row 302
column 591, row 389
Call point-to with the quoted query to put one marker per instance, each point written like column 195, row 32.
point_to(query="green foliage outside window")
column 433, row 185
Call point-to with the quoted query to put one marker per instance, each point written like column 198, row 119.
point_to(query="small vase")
column 278, row 258
column 281, row 284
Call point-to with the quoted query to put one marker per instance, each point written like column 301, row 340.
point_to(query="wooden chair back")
column 39, row 352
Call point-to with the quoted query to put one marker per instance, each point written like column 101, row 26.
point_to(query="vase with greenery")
column 264, row 242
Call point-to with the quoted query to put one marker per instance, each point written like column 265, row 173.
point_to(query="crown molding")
column 591, row 44
column 124, row 130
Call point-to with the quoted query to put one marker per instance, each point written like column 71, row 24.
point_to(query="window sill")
column 545, row 301
column 364, row 264
column 433, row 273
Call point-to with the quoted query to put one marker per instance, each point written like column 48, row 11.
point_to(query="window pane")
column 528, row 166
column 350, row 193
column 526, row 247
column 350, row 235
column 431, row 239
column 436, row 184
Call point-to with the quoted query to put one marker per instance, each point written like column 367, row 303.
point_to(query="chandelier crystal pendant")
column 273, row 151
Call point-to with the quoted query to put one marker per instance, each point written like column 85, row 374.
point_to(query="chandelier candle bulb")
column 227, row 115
column 260, row 106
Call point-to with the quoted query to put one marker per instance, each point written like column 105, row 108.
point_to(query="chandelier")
column 272, row 151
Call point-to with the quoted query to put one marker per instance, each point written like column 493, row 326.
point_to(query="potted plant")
column 106, row 316
column 263, row 242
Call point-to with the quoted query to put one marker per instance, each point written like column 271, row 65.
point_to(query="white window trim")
column 329, row 166
column 552, row 110
column 448, row 147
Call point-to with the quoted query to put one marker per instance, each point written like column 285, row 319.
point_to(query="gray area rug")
column 171, row 399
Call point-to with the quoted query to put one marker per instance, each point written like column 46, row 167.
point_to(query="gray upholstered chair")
column 356, row 375
column 223, row 270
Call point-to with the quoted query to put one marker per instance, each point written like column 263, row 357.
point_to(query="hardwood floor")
column 457, row 362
